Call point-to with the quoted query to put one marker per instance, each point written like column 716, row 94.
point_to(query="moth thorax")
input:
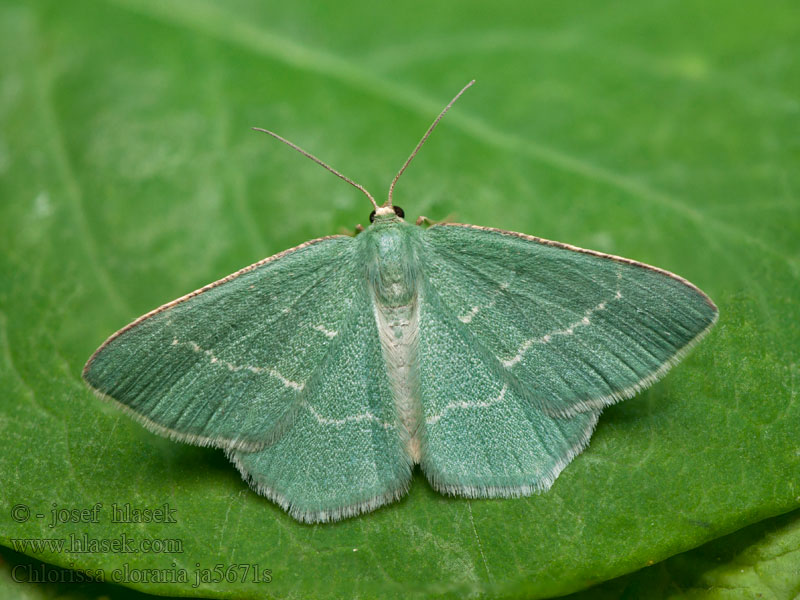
column 392, row 268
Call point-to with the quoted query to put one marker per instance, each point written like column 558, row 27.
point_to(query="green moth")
column 326, row 372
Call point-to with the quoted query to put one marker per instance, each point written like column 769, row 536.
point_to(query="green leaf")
column 760, row 561
column 23, row 578
column 128, row 175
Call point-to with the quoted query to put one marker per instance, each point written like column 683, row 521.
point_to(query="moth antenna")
column 319, row 162
column 423, row 140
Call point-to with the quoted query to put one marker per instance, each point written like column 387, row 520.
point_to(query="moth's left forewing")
column 224, row 365
column 573, row 329
column 280, row 365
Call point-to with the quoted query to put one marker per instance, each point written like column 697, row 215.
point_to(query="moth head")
column 386, row 210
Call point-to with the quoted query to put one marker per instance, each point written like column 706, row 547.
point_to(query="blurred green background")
column 667, row 132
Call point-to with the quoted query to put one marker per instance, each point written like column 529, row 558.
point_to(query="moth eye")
column 397, row 210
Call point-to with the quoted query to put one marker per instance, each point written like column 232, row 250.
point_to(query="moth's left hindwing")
column 226, row 366
column 343, row 454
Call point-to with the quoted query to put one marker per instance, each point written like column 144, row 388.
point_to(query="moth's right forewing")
column 572, row 329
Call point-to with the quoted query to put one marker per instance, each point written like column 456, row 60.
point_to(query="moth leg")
column 351, row 232
column 423, row 220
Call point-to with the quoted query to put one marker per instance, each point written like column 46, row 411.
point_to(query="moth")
column 328, row 371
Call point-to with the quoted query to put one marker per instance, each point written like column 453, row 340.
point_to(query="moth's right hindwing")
column 480, row 436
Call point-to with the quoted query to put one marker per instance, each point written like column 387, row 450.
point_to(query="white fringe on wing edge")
column 306, row 515
column 200, row 440
column 630, row 391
